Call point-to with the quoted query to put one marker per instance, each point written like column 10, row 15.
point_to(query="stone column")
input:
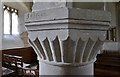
column 66, row 39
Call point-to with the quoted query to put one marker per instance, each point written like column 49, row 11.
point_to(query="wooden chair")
column 16, row 63
column 28, row 72
column 12, row 62
column 108, row 63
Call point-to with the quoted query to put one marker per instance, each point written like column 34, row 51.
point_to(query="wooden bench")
column 108, row 63
column 26, row 72
column 28, row 54
column 12, row 61
column 16, row 63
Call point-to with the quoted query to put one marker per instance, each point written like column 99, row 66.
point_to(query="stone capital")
column 67, row 37
column 63, row 30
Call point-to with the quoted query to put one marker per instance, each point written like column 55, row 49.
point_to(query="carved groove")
column 38, row 44
column 87, row 49
column 79, row 51
column 95, row 49
column 57, row 50
column 48, row 50
column 68, row 50
column 36, row 49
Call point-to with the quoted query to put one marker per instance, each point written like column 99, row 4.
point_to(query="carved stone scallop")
column 66, row 40
column 67, row 51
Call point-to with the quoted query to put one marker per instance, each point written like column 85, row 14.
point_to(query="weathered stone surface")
column 67, row 37
column 50, row 4
column 67, row 13
column 24, row 37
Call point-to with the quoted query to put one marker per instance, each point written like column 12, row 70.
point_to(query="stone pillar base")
column 47, row 69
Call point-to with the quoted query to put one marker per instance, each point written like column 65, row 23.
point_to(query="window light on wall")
column 10, row 20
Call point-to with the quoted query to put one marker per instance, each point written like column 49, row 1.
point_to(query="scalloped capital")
column 67, row 39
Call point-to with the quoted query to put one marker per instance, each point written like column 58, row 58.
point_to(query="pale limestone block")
column 50, row 4
column 67, row 37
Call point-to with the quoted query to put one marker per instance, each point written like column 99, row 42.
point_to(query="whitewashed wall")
column 14, row 41
column 0, row 38
column 11, row 41
column 110, row 46
column 119, row 26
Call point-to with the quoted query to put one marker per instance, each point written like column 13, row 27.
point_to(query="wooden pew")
column 12, row 62
column 28, row 72
column 28, row 54
column 108, row 63
column 15, row 63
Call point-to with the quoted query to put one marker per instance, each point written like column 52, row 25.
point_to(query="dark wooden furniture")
column 6, row 71
column 28, row 54
column 30, row 72
column 108, row 64
column 16, row 64
column 12, row 62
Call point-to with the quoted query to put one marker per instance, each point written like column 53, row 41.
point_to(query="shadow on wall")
column 24, row 37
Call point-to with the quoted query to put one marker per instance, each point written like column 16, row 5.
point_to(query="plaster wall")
column 11, row 41
column 119, row 26
column 0, row 38
column 14, row 41
column 110, row 46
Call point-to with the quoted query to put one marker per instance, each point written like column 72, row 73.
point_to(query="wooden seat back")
column 11, row 61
